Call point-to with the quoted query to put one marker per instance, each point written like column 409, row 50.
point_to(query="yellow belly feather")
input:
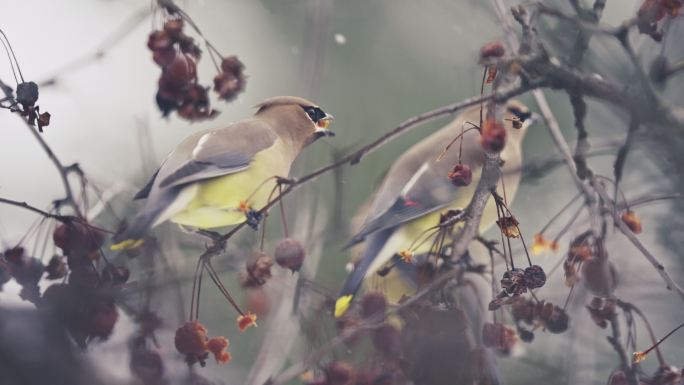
column 216, row 202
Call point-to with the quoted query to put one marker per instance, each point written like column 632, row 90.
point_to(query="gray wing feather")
column 217, row 152
column 145, row 191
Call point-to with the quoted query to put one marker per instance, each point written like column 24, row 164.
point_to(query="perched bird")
column 214, row 177
column 416, row 190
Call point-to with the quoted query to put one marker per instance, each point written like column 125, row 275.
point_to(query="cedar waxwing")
column 214, row 177
column 416, row 189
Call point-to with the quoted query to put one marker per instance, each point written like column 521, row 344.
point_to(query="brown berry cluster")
column 192, row 341
column 499, row 336
column 85, row 303
column 25, row 270
column 516, row 282
column 532, row 313
column 178, row 89
column 461, row 175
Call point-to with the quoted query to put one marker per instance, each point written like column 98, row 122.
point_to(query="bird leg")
column 285, row 181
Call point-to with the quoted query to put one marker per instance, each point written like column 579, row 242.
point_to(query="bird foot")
column 285, row 181
column 253, row 218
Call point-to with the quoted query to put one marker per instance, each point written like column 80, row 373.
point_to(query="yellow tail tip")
column 342, row 304
column 127, row 244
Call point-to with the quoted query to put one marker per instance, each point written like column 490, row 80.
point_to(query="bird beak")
column 322, row 126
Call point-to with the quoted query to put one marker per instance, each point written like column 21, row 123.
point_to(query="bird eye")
column 518, row 113
column 314, row 113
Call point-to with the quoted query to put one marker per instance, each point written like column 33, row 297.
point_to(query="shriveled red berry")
column 173, row 27
column 492, row 49
column 461, row 175
column 56, row 268
column 493, row 135
column 373, row 302
column 182, row 71
column 535, row 277
column 159, row 40
column 191, row 339
column 498, row 336
column 217, row 346
column 77, row 237
column 289, row 253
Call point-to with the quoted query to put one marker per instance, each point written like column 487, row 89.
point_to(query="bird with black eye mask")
column 214, row 178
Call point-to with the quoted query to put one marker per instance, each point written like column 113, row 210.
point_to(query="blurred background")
column 372, row 64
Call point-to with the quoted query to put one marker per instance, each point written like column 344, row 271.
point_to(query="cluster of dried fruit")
column 533, row 313
column 84, row 304
column 27, row 97
column 499, row 336
column 289, row 253
column 664, row 375
column 177, row 54
column 516, row 282
column 192, row 341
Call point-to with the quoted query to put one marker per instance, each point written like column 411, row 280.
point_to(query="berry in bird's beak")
column 323, row 124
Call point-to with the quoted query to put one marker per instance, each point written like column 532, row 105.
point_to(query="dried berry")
column 231, row 80
column 217, row 346
column 289, row 253
column 534, row 277
column 191, row 340
column 27, row 94
column 159, row 41
column 246, row 320
column 498, row 336
column 56, row 268
column 509, row 226
column 373, row 302
column 77, row 238
column 173, row 28
column 492, row 50
column 180, row 73
column 513, row 281
column 632, row 221
column 492, row 135
column 257, row 270
column 557, row 321
column 461, row 175
column 601, row 311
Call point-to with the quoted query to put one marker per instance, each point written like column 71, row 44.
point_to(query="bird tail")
column 132, row 236
column 355, row 278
